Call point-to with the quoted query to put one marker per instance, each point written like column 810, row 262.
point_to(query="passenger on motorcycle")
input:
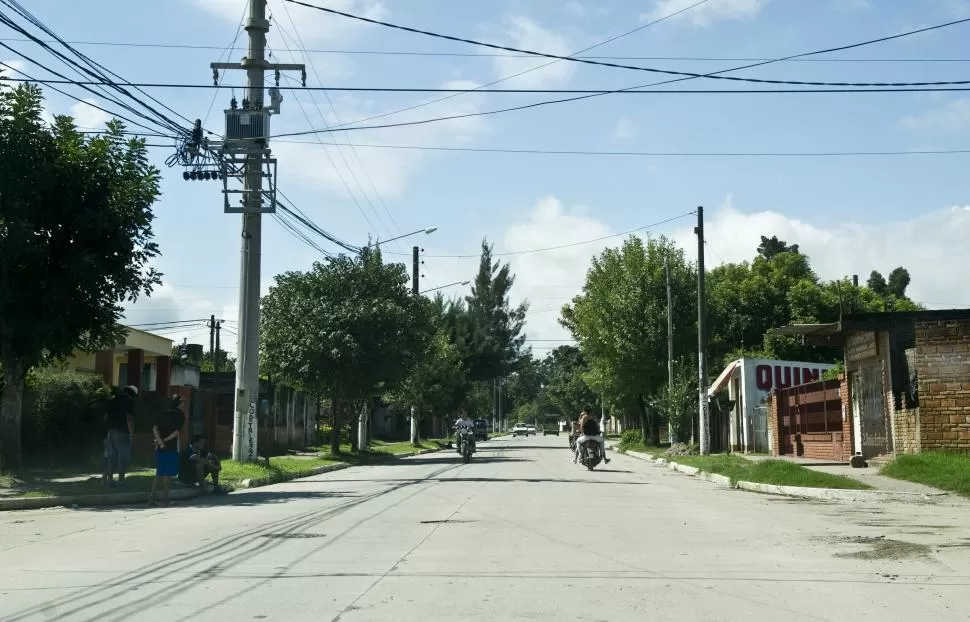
column 464, row 422
column 590, row 428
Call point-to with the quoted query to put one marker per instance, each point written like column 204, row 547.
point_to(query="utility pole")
column 670, row 348
column 218, row 350
column 704, row 413
column 244, row 153
column 212, row 339
column 416, row 290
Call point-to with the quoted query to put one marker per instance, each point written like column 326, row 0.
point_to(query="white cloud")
column 87, row 116
column 705, row 14
column 388, row 169
column 952, row 118
column 550, row 279
column 15, row 66
column 524, row 33
column 314, row 26
column 624, row 129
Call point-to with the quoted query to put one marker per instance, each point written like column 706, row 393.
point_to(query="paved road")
column 519, row 534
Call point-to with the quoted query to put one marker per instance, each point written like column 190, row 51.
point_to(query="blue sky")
column 850, row 214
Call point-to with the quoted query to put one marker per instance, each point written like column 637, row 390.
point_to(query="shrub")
column 631, row 438
column 63, row 416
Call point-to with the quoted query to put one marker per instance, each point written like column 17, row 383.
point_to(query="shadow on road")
column 494, row 479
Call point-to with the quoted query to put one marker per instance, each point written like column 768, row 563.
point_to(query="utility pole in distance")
column 416, row 290
column 703, row 412
column 670, row 347
column 212, row 339
column 218, row 350
column 244, row 153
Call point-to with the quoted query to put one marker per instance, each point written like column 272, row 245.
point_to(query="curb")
column 127, row 498
column 336, row 466
column 802, row 492
column 74, row 501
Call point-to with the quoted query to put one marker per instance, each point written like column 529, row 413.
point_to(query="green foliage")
column 620, row 320
column 630, row 439
column 434, row 385
column 63, row 415
column 567, row 389
column 348, row 328
column 75, row 241
column 677, row 401
column 772, row 246
column 485, row 327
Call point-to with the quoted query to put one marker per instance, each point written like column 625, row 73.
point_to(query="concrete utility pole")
column 670, row 346
column 215, row 356
column 704, row 413
column 245, row 154
column 212, row 339
column 416, row 290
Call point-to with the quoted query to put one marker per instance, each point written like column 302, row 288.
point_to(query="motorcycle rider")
column 589, row 427
column 464, row 422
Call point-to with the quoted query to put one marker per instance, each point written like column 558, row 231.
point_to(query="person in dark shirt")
column 197, row 463
column 121, row 426
column 589, row 426
column 168, row 425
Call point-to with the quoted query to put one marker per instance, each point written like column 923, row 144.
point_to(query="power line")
column 572, row 244
column 481, row 88
column 654, row 69
column 704, row 154
column 633, row 90
column 187, row 46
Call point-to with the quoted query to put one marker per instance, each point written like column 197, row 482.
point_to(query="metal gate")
column 758, row 424
column 869, row 404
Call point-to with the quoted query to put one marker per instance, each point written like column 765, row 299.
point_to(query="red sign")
column 768, row 378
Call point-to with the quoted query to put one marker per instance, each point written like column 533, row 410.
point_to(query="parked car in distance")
column 481, row 430
column 531, row 429
column 550, row 430
column 520, row 429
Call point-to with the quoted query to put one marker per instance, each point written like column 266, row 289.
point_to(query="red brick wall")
column 773, row 425
column 943, row 363
column 848, row 432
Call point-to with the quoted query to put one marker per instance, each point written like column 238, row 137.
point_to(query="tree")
column 348, row 328
column 486, row 328
column 434, row 384
column 898, row 282
column 877, row 283
column 772, row 246
column 678, row 400
column 567, row 389
column 75, row 242
column 620, row 321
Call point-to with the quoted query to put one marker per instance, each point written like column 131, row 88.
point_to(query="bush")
column 63, row 415
column 631, row 438
column 682, row 449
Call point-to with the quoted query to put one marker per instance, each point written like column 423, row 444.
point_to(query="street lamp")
column 434, row 289
column 426, row 231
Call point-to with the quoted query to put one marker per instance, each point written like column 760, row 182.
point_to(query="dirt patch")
column 882, row 548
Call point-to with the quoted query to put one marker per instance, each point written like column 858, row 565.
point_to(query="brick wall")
column 943, row 364
column 773, row 424
column 906, row 428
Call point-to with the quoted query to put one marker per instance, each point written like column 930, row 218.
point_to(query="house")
column 148, row 353
column 907, row 383
column 742, row 425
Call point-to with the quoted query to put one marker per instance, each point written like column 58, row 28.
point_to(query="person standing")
column 121, row 428
column 168, row 425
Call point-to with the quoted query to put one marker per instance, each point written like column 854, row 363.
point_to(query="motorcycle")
column 590, row 454
column 466, row 444
column 572, row 442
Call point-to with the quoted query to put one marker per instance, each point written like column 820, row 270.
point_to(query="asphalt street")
column 519, row 534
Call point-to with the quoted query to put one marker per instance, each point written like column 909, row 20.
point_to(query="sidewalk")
column 868, row 475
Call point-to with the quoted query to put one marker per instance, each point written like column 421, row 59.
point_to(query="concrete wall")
column 943, row 365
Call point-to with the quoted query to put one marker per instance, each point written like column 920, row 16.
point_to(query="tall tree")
column 486, row 328
column 772, row 246
column 877, row 283
column 898, row 282
column 75, row 242
column 348, row 328
column 620, row 320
